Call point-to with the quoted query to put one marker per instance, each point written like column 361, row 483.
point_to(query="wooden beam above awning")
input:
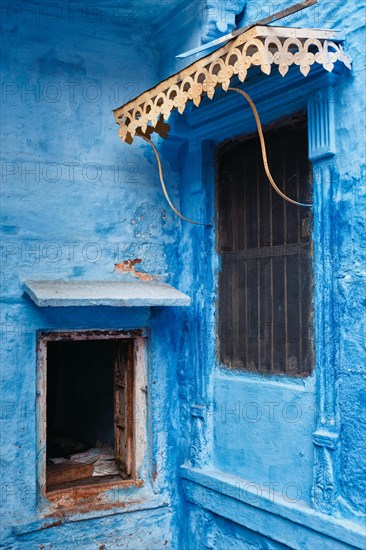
column 259, row 46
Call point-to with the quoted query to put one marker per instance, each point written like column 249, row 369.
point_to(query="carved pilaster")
column 321, row 124
column 322, row 148
column 198, row 184
column 325, row 487
column 199, row 452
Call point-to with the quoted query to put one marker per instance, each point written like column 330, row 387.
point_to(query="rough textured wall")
column 223, row 534
column 349, row 249
column 218, row 431
column 75, row 202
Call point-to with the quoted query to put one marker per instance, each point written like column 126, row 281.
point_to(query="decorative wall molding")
column 317, row 94
column 319, row 99
column 260, row 46
column 268, row 513
column 325, row 487
column 322, row 148
column 198, row 439
column 199, row 155
column 321, row 124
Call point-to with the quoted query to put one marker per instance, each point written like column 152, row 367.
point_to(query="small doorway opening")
column 89, row 411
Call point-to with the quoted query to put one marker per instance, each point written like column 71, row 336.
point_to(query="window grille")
column 265, row 283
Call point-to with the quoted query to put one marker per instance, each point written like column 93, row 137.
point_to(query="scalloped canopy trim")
column 260, row 46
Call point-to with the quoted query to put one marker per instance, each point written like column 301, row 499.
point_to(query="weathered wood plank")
column 67, row 472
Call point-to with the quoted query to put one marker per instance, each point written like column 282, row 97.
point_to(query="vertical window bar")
column 272, row 275
column 300, row 356
column 258, row 270
column 286, row 313
column 236, row 307
column 246, row 306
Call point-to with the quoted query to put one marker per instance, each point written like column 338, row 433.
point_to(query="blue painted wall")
column 76, row 202
column 252, row 455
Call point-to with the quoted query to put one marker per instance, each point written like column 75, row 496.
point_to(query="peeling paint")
column 128, row 266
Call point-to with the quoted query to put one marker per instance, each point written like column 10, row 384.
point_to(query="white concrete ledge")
column 104, row 293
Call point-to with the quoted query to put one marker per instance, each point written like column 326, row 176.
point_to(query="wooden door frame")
column 139, row 399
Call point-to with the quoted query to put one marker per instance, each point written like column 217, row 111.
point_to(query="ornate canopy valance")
column 260, row 46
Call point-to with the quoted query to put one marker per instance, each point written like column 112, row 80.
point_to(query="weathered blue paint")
column 75, row 204
column 268, row 463
column 293, row 437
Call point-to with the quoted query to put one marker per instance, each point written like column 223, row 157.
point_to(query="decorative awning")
column 260, row 46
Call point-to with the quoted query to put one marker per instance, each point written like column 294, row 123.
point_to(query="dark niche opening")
column 89, row 414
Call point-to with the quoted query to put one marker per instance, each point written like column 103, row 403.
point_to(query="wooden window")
column 123, row 409
column 265, row 283
column 92, row 398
